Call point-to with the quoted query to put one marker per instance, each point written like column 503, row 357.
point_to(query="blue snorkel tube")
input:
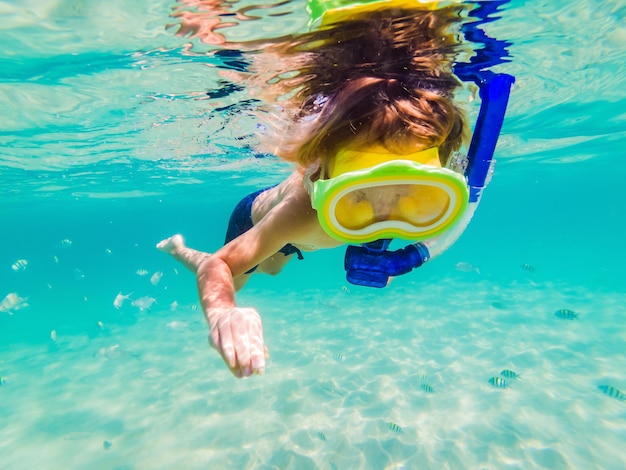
column 371, row 264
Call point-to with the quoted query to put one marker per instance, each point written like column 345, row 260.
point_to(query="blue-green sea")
column 116, row 132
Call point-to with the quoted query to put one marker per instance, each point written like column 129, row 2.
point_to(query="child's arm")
column 237, row 333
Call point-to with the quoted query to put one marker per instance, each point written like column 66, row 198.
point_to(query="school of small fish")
column 499, row 382
column 12, row 302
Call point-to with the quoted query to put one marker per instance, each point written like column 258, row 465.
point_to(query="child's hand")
column 237, row 334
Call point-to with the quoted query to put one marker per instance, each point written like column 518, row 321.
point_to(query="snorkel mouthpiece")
column 371, row 264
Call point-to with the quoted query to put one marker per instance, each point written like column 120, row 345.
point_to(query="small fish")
column 106, row 445
column 100, row 325
column 108, row 251
column 143, row 303
column 509, row 374
column 566, row 314
column 142, row 272
column 55, row 258
column 66, row 243
column 338, row 357
column 175, row 271
column 498, row 382
column 115, row 352
column 3, row 381
column 321, row 436
column 19, row 265
column 499, row 305
column 394, row 427
column 78, row 274
column 155, row 278
column 53, row 335
column 345, row 289
column 427, row 388
column 13, row 302
column 178, row 326
column 466, row 267
column 612, row 392
column 120, row 298
column 173, row 306
column 528, row 267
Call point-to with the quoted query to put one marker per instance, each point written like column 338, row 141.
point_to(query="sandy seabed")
column 357, row 379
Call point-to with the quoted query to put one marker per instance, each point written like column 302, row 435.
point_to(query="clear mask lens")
column 417, row 205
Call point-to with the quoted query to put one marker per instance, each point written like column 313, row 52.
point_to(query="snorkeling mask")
column 373, row 194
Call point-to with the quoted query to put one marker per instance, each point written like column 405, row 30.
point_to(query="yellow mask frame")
column 429, row 199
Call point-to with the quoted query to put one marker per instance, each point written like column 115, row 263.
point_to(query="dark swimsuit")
column 241, row 221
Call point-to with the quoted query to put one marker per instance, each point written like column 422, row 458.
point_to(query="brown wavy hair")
column 384, row 77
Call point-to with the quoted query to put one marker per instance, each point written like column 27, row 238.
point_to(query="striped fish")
column 427, row 388
column 566, row 314
column 321, row 436
column 509, row 374
column 339, row 357
column 394, row 427
column 612, row 392
column 19, row 265
column 498, row 382
column 3, row 380
column 528, row 267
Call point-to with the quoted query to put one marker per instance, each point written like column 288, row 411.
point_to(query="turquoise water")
column 110, row 142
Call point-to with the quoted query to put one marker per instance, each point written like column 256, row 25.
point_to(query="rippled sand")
column 357, row 379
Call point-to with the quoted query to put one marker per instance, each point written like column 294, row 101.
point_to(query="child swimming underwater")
column 376, row 91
